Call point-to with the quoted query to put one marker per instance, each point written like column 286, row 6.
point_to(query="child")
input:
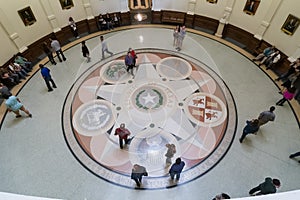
column 85, row 51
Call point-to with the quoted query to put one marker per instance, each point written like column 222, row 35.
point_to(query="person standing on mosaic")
column 176, row 169
column 170, row 153
column 47, row 77
column 266, row 116
column 14, row 104
column 137, row 174
column 129, row 62
column 251, row 127
column 104, row 47
column 134, row 56
column 123, row 134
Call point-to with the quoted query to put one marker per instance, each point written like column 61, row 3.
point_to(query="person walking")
column 170, row 153
column 181, row 36
column 47, row 77
column 104, row 47
column 123, row 134
column 251, row 127
column 48, row 52
column 56, row 47
column 295, row 155
column 137, row 174
column 288, row 94
column 266, row 116
column 14, row 104
column 175, row 36
column 73, row 27
column 176, row 169
column 268, row 187
column 129, row 62
column 85, row 51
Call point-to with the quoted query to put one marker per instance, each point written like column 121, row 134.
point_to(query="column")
column 50, row 15
column 267, row 19
column 225, row 18
column 88, row 9
column 11, row 32
column 191, row 7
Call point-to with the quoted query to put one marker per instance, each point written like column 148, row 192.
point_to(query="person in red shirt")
column 133, row 54
column 123, row 134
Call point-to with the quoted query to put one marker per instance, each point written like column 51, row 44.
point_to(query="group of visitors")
column 138, row 171
column 130, row 60
column 108, row 21
column 253, row 125
column 17, row 69
column 20, row 67
column 54, row 47
column 271, row 56
column 268, row 57
column 178, row 35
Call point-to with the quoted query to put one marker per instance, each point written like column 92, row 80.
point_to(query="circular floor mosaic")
column 170, row 99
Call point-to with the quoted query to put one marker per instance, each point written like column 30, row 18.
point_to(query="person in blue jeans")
column 47, row 77
column 176, row 169
column 251, row 127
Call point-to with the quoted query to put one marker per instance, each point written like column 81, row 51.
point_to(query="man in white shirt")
column 104, row 47
column 56, row 47
column 274, row 58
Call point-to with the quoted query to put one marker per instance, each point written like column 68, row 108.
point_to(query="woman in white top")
column 73, row 27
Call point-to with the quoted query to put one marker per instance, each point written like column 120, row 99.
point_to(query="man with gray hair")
column 266, row 116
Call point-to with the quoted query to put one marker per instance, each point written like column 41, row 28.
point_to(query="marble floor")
column 198, row 98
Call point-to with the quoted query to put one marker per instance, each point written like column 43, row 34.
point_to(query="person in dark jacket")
column 129, row 62
column 176, row 169
column 48, row 52
column 137, row 174
column 295, row 155
column 268, row 187
column 85, row 51
column 251, row 127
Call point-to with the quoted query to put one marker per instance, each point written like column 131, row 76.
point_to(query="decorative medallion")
column 205, row 109
column 171, row 99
